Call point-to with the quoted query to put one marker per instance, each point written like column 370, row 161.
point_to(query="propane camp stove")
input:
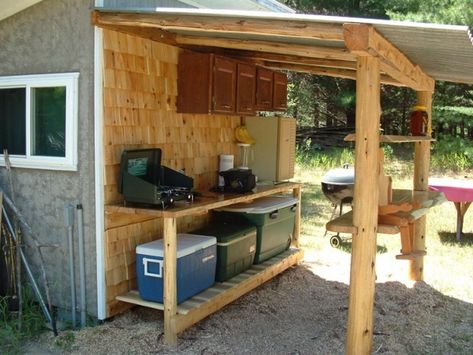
column 167, row 195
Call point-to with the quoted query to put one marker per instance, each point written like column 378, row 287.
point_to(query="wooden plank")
column 411, row 256
column 365, row 209
column 220, row 24
column 235, row 283
column 206, row 202
column 224, row 298
column 344, row 224
column 261, row 57
column 395, row 139
column 117, row 219
column 297, row 193
column 364, row 40
column 266, row 46
column 326, row 71
column 170, row 280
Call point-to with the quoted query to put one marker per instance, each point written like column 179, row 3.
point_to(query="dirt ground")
column 302, row 311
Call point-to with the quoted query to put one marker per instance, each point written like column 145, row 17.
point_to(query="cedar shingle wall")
column 140, row 90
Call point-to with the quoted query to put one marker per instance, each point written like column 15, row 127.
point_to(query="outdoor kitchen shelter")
column 368, row 51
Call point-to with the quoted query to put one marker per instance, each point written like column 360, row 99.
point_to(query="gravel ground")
column 302, row 311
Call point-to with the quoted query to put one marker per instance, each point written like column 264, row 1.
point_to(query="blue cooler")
column 196, row 263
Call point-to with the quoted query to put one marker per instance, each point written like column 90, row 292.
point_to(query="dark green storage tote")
column 273, row 217
column 236, row 247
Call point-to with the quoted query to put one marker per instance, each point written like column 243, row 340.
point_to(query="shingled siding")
column 140, row 90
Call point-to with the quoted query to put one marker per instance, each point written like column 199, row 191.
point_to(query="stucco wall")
column 56, row 36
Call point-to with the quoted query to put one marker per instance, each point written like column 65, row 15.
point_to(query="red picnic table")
column 459, row 191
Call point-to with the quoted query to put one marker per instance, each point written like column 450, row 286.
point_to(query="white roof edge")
column 9, row 8
column 291, row 16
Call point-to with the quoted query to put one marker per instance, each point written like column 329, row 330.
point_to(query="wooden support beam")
column 365, row 209
column 326, row 71
column 170, row 280
column 364, row 40
column 421, row 183
column 221, row 24
column 297, row 193
column 332, row 53
column 148, row 33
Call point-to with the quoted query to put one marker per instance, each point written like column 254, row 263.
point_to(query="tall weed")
column 32, row 323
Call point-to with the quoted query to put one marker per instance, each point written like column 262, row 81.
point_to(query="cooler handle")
column 274, row 214
column 293, row 208
column 147, row 261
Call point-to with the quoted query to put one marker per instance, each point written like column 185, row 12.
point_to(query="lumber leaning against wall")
column 140, row 90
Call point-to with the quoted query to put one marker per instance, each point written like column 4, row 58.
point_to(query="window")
column 38, row 120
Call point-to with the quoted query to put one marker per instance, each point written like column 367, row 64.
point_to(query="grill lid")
column 340, row 176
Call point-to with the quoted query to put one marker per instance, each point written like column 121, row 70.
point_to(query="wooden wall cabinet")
column 209, row 83
column 206, row 83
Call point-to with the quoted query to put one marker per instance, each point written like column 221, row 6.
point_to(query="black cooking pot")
column 338, row 185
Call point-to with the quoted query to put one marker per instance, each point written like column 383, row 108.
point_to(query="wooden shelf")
column 222, row 293
column 394, row 139
column 426, row 200
column 203, row 203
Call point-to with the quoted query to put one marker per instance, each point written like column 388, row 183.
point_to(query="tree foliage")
column 323, row 101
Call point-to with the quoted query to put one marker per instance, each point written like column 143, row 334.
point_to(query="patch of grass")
column 448, row 266
column 32, row 323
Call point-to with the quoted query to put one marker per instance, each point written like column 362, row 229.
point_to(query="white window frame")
column 30, row 82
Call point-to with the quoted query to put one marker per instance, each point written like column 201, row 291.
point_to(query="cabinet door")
column 264, row 89
column 246, row 89
column 286, row 148
column 224, row 85
column 193, row 82
column 280, row 91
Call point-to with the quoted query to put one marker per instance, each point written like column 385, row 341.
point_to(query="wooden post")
column 170, row 283
column 421, row 183
column 296, row 192
column 365, row 209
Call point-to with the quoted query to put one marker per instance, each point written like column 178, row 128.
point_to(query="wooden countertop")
column 204, row 203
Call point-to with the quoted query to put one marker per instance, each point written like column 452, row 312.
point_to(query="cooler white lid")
column 262, row 205
column 186, row 244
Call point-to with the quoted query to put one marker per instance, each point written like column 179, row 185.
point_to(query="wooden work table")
column 177, row 318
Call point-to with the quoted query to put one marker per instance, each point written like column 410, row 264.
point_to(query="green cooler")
column 236, row 247
column 273, row 217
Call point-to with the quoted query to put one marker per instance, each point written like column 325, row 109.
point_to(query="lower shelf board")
column 236, row 286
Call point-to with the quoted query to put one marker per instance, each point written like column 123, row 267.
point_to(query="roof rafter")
column 230, row 24
column 267, row 46
column 327, row 71
column 364, row 40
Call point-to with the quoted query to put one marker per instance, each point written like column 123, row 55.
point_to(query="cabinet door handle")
column 226, row 106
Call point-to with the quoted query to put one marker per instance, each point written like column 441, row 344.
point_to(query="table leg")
column 461, row 207
column 170, row 283
column 296, row 192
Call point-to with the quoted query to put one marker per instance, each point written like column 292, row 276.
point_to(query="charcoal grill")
column 337, row 186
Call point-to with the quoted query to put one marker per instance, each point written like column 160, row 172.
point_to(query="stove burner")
column 166, row 196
